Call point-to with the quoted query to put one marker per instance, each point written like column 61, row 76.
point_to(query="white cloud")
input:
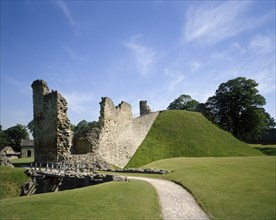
column 69, row 51
column 194, row 65
column 211, row 23
column 266, row 80
column 22, row 87
column 220, row 55
column 263, row 43
column 236, row 45
column 77, row 102
column 18, row 114
column 144, row 56
column 63, row 6
column 177, row 77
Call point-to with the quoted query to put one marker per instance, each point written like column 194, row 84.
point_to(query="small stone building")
column 27, row 148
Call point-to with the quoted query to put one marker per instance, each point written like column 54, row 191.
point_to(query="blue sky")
column 132, row 51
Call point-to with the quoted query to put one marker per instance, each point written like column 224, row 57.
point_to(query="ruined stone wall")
column 142, row 126
column 51, row 124
column 120, row 134
column 144, row 108
column 115, row 141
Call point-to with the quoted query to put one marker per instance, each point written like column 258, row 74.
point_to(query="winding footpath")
column 176, row 202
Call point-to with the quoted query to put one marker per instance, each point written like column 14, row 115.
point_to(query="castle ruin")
column 121, row 134
column 115, row 142
column 51, row 124
column 144, row 108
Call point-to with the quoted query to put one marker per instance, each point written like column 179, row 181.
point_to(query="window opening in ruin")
column 29, row 153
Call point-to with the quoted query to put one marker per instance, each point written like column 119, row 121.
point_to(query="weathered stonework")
column 121, row 134
column 114, row 142
column 144, row 108
column 86, row 143
column 53, row 179
column 51, row 124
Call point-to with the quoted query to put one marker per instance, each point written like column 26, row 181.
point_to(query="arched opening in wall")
column 29, row 153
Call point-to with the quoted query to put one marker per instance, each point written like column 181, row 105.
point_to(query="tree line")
column 236, row 107
column 13, row 136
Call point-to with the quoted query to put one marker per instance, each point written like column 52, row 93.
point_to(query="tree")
column 81, row 127
column 15, row 134
column 183, row 102
column 30, row 127
column 237, row 107
column 84, row 127
column 3, row 138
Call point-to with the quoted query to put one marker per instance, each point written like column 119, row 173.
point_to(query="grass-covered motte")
column 228, row 187
column 114, row 200
column 179, row 133
column 11, row 180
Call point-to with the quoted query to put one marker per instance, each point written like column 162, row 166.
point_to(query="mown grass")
column 228, row 188
column 20, row 162
column 11, row 180
column 114, row 200
column 190, row 134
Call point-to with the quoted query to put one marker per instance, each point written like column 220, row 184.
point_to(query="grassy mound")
column 227, row 188
column 189, row 134
column 115, row 200
column 11, row 180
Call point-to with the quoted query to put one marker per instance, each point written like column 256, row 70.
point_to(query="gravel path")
column 176, row 202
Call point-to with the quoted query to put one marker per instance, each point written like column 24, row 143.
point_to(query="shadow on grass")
column 267, row 150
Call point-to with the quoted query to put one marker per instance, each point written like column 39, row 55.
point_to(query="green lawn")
column 228, row 188
column 22, row 161
column 181, row 133
column 11, row 180
column 114, row 200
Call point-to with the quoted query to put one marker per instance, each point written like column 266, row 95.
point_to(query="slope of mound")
column 114, row 200
column 11, row 180
column 187, row 134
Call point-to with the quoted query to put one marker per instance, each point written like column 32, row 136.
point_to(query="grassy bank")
column 228, row 188
column 189, row 134
column 11, row 180
column 115, row 200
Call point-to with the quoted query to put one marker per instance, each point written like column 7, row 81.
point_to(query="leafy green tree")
column 84, row 127
column 237, row 107
column 3, row 138
column 184, row 102
column 72, row 127
column 30, row 127
column 81, row 127
column 15, row 134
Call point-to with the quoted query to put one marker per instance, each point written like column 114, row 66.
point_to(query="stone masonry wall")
column 51, row 124
column 115, row 142
column 144, row 108
column 120, row 134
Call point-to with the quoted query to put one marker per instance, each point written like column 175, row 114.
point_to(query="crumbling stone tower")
column 51, row 124
column 144, row 108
